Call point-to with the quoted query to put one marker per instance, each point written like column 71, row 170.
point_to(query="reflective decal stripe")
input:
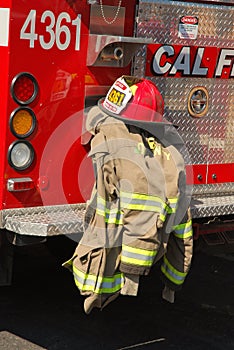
column 172, row 273
column 112, row 216
column 88, row 282
column 183, row 230
column 136, row 201
column 4, row 26
column 137, row 256
column 171, row 207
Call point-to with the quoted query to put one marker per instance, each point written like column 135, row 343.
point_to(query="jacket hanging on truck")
column 137, row 215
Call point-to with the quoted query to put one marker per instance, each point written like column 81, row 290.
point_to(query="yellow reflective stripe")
column 142, row 207
column 137, row 201
column 133, row 261
column 112, row 216
column 162, row 217
column 184, row 230
column 140, row 196
column 139, row 250
column 172, row 273
column 164, row 213
column 173, row 200
column 137, row 256
column 98, row 285
column 171, row 208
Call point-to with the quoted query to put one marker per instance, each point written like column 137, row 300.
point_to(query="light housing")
column 20, row 184
column 24, row 88
column 198, row 101
column 22, row 122
column 20, row 155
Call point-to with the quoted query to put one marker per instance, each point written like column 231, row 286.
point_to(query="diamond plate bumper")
column 68, row 219
column 212, row 205
column 45, row 221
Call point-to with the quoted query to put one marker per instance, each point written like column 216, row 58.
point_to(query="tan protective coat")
column 138, row 202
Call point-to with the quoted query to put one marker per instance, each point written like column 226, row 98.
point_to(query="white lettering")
column 197, row 69
column 49, row 29
column 28, row 30
column 77, row 23
column 193, row 61
column 223, row 61
column 57, row 30
column 163, row 50
column 63, row 29
column 182, row 62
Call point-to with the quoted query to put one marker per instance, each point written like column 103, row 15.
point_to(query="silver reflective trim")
column 12, row 182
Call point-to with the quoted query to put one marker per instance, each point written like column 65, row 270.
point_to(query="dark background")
column 43, row 309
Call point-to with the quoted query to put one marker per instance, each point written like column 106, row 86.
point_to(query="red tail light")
column 24, row 88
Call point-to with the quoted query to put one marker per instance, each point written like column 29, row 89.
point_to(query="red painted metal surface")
column 4, row 69
column 220, row 173
column 201, row 174
column 50, row 40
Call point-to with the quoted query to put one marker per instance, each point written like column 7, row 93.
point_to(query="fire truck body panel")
column 75, row 50
column 193, row 53
column 57, row 46
column 63, row 82
column 4, row 67
column 29, row 47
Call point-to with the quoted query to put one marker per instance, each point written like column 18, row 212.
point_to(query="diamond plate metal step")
column 68, row 219
column 46, row 221
column 212, row 205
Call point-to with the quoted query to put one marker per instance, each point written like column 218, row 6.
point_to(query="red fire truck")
column 60, row 57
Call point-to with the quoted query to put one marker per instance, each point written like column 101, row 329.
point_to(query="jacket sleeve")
column 95, row 263
column 177, row 259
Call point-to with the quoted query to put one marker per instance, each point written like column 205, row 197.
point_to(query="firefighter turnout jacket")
column 137, row 215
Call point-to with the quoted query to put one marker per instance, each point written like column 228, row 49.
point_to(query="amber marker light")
column 22, row 122
column 24, row 88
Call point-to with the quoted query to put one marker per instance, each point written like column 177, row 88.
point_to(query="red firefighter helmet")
column 131, row 98
column 136, row 102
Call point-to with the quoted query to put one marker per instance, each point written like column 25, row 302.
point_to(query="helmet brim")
column 157, row 116
column 163, row 130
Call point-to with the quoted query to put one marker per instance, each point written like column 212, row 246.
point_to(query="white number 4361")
column 57, row 30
